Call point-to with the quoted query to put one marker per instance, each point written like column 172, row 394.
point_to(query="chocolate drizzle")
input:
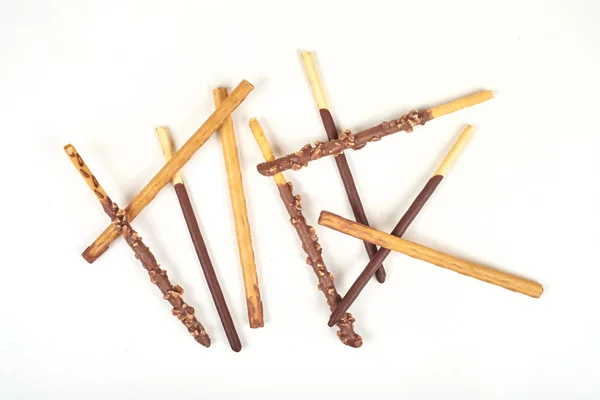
column 346, row 141
column 313, row 250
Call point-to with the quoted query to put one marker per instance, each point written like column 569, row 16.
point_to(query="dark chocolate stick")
column 310, row 243
column 402, row 225
column 356, row 141
column 157, row 275
column 201, row 250
column 340, row 160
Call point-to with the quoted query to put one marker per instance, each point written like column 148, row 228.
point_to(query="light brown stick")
column 409, row 216
column 420, row 252
column 158, row 276
column 310, row 245
column 240, row 216
column 169, row 170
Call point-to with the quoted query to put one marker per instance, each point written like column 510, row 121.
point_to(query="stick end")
column 248, row 84
column 220, row 90
column 70, row 150
column 254, row 306
column 380, row 275
column 322, row 217
column 538, row 294
column 90, row 256
column 162, row 130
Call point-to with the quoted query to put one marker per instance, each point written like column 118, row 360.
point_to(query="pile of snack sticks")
column 220, row 119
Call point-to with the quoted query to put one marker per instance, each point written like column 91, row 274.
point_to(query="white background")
column 523, row 198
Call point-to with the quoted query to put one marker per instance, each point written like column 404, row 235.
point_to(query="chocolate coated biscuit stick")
column 340, row 160
column 201, row 251
column 403, row 224
column 309, row 238
column 359, row 140
column 157, row 275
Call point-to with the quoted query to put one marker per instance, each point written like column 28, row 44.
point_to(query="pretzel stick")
column 201, row 251
column 356, row 141
column 240, row 216
column 157, row 275
column 170, row 168
column 340, row 160
column 420, row 252
column 310, row 243
column 403, row 224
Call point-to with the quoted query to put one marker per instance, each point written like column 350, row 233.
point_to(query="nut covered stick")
column 240, row 216
column 309, row 238
column 169, row 170
column 403, row 224
column 340, row 160
column 356, row 141
column 157, row 275
column 420, row 252
column 201, row 250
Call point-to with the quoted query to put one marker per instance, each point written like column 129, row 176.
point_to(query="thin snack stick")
column 240, row 216
column 340, row 160
column 201, row 251
column 170, row 168
column 359, row 140
column 157, row 275
column 403, row 224
column 420, row 252
column 310, row 243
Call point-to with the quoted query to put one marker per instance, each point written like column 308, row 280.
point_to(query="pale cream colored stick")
column 265, row 148
column 167, row 148
column 315, row 81
column 420, row 252
column 453, row 154
column 459, row 104
column 240, row 216
column 169, row 170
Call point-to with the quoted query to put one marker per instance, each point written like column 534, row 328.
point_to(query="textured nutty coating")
column 313, row 250
column 157, row 275
column 347, row 140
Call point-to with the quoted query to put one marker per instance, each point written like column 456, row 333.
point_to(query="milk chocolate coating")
column 348, row 140
column 158, row 276
column 381, row 255
column 351, row 191
column 207, row 267
column 311, row 246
